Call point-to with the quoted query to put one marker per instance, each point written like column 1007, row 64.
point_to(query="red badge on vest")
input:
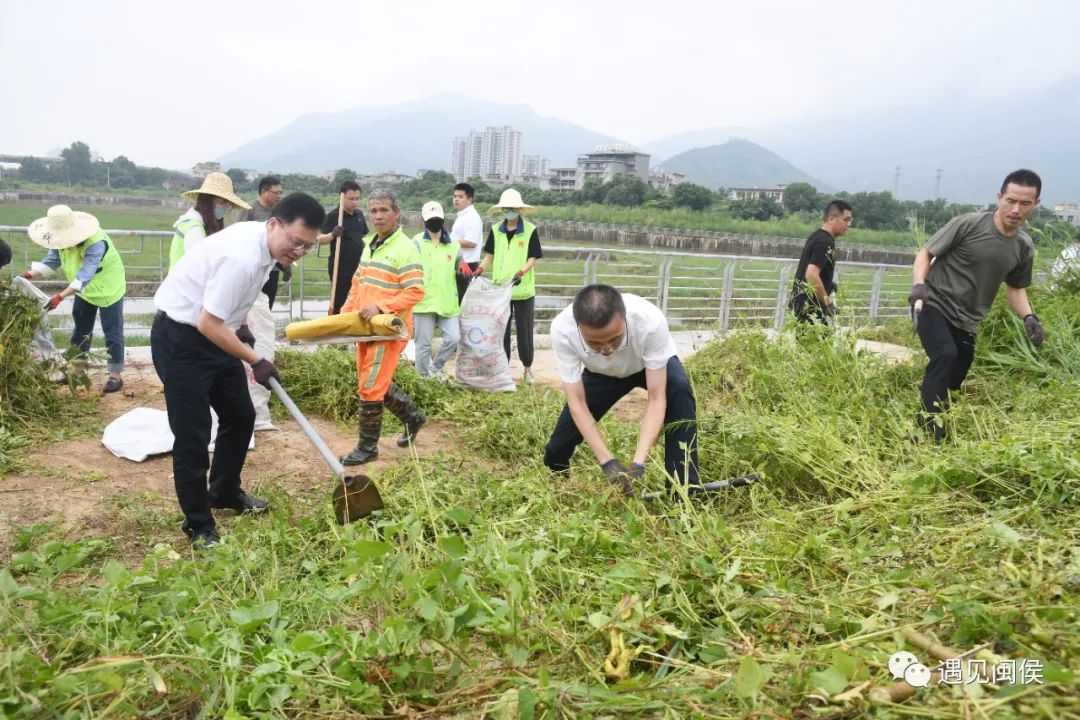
column 521, row 243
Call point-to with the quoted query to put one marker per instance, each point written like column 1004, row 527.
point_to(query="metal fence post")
column 875, row 291
column 663, row 282
column 725, row 295
column 781, row 297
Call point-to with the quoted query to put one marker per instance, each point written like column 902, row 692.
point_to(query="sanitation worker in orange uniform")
column 389, row 279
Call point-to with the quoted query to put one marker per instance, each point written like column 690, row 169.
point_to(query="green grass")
column 717, row 220
column 489, row 588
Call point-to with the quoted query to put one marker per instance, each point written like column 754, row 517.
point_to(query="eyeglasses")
column 607, row 350
column 300, row 245
column 279, row 192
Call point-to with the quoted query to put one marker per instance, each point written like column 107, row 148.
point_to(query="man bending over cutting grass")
column 607, row 343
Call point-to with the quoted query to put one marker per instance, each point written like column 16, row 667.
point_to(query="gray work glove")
column 619, row 475
column 918, row 292
column 243, row 333
column 1034, row 329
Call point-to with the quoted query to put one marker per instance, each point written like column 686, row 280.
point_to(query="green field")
column 490, row 589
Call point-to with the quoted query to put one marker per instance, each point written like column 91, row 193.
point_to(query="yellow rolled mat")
column 345, row 324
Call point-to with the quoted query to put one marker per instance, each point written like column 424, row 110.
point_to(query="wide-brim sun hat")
column 219, row 185
column 511, row 200
column 432, row 209
column 62, row 228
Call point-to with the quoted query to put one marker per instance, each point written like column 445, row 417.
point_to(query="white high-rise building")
column 493, row 154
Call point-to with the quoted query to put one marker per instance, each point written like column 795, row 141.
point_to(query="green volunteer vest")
column 176, row 247
column 440, row 279
column 109, row 283
column 511, row 255
column 396, row 251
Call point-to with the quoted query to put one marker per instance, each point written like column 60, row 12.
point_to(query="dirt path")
column 81, row 485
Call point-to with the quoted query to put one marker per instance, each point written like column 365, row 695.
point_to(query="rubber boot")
column 404, row 410
column 367, row 447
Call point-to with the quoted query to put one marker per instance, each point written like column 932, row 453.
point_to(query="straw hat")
column 511, row 200
column 219, row 185
column 62, row 228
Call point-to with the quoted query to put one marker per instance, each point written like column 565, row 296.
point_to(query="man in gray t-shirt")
column 955, row 279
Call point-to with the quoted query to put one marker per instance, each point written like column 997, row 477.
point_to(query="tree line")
column 873, row 210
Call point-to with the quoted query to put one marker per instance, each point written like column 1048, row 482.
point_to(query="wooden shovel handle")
column 337, row 252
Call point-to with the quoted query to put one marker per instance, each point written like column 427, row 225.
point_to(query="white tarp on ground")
column 142, row 432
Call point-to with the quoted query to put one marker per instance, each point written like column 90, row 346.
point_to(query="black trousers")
column 951, row 351
column 463, row 282
column 603, row 391
column 197, row 376
column 522, row 314
column 344, row 284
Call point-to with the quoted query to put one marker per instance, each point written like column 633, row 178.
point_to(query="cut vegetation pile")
column 487, row 586
column 26, row 394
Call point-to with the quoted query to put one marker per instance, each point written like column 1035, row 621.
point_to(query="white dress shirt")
column 647, row 345
column 223, row 276
column 469, row 226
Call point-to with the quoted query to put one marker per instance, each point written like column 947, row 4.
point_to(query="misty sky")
column 171, row 84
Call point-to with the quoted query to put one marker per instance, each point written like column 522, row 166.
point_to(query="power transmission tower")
column 937, row 184
column 896, row 183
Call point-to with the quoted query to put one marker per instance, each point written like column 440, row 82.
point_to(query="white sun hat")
column 219, row 185
column 511, row 200
column 62, row 228
column 432, row 209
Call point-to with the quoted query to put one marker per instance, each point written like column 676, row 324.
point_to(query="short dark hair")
column 596, row 305
column 300, row 206
column 467, row 189
column 5, row 253
column 265, row 183
column 837, row 207
column 1023, row 178
column 348, row 186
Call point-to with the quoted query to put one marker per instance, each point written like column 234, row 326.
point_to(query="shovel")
column 707, row 488
column 355, row 496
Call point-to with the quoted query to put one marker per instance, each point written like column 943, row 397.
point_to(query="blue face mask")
column 510, row 215
column 220, row 211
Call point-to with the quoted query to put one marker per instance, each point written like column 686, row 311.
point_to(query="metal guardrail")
column 693, row 289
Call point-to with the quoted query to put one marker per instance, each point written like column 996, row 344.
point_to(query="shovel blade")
column 355, row 497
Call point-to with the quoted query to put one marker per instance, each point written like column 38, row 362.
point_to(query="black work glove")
column 636, row 471
column 517, row 278
column 918, row 292
column 337, row 232
column 1034, row 329
column 830, row 310
column 263, row 370
column 618, row 474
column 244, row 334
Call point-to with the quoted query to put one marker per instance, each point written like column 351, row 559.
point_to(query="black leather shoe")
column 246, row 505
column 205, row 540
column 112, row 385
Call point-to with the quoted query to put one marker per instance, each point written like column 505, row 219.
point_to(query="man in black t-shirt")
column 817, row 266
column 349, row 236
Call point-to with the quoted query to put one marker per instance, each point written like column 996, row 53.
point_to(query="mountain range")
column 407, row 137
column 738, row 163
column 973, row 140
